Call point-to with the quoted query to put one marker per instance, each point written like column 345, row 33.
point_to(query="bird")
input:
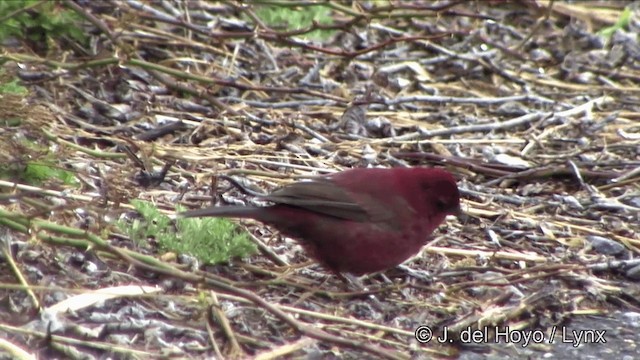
column 357, row 221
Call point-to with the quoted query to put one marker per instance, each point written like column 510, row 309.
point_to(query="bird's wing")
column 323, row 196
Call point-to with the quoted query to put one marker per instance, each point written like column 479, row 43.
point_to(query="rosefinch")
column 360, row 220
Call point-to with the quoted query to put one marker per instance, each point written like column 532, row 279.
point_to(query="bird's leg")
column 356, row 284
column 423, row 275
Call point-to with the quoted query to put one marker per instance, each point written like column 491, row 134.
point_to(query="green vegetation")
column 9, row 86
column 24, row 160
column 33, row 164
column 623, row 22
column 13, row 87
column 287, row 19
column 210, row 240
column 36, row 173
column 38, row 21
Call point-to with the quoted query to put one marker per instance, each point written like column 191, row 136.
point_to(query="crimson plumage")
column 360, row 220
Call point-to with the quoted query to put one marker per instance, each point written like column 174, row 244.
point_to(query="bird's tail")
column 222, row 211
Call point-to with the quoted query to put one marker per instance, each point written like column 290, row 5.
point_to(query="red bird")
column 360, row 220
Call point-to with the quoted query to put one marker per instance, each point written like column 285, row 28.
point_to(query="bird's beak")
column 461, row 215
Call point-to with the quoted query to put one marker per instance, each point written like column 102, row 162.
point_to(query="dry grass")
column 536, row 115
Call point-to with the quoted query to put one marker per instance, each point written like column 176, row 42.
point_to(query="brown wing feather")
column 323, row 196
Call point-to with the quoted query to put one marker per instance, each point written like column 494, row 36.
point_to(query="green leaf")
column 623, row 22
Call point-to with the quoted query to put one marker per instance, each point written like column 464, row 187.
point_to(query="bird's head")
column 436, row 191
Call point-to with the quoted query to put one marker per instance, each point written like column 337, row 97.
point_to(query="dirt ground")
column 534, row 106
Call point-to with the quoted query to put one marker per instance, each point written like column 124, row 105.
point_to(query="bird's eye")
column 442, row 204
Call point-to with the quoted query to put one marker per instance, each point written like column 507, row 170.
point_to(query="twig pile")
column 536, row 114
